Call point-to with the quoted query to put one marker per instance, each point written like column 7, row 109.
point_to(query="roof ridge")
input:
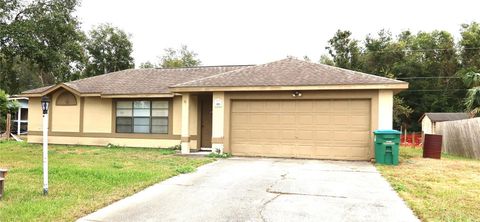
column 199, row 67
column 208, row 77
column 228, row 72
column 101, row 75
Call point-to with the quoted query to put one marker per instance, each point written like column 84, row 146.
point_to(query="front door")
column 206, row 121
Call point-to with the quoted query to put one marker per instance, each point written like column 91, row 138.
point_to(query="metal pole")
column 45, row 154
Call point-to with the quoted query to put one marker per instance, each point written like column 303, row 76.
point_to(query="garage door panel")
column 329, row 129
column 305, row 119
column 322, row 105
column 305, row 107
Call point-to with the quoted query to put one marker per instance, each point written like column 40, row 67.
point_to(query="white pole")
column 45, row 154
column 19, row 118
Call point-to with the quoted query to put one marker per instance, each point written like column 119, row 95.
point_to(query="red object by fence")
column 412, row 139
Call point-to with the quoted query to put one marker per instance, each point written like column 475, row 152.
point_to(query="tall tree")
column 344, row 50
column 382, row 54
column 427, row 60
column 470, row 46
column 40, row 34
column 109, row 49
column 176, row 58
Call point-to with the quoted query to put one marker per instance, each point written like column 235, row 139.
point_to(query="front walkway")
column 261, row 189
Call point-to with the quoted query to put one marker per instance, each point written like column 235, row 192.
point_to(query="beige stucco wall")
column 97, row 115
column 177, row 115
column 372, row 95
column 34, row 114
column 97, row 126
column 65, row 118
column 427, row 125
column 385, row 109
column 193, row 114
column 103, row 141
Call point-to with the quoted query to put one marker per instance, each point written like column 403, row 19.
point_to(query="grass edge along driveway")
column 82, row 179
column 437, row 190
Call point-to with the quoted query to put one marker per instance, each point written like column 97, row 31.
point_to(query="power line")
column 426, row 50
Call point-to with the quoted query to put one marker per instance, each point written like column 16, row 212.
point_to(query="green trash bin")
column 386, row 146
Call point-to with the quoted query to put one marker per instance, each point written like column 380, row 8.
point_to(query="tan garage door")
column 323, row 129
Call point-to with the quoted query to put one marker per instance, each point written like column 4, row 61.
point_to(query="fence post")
column 8, row 125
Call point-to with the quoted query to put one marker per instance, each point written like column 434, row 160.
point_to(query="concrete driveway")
column 263, row 189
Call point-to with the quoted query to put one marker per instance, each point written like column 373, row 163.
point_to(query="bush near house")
column 437, row 190
column 82, row 179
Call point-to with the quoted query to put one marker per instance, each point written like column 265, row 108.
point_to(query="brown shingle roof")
column 288, row 72
column 140, row 81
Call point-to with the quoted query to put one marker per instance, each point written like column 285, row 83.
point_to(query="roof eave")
column 153, row 95
column 397, row 87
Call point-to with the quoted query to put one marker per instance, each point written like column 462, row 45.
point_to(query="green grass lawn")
column 82, row 178
column 437, row 190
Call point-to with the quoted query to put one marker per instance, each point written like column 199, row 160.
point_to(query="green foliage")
column 109, row 50
column 430, row 55
column 472, row 100
column 147, row 65
column 344, row 50
column 324, row 59
column 6, row 106
column 401, row 111
column 182, row 57
column 83, row 179
column 469, row 43
column 42, row 36
column 218, row 155
column 185, row 169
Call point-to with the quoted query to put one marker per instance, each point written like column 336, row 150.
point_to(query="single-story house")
column 286, row 108
column 429, row 120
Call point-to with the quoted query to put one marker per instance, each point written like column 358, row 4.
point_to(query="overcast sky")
column 256, row 31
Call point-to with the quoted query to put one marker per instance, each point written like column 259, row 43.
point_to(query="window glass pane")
column 124, row 121
column 159, row 104
column 141, row 112
column 141, row 104
column 141, row 129
column 160, row 112
column 124, row 129
column 159, row 121
column 124, row 104
column 124, row 112
column 160, row 129
column 141, row 121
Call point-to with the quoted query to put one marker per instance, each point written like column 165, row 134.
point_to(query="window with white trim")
column 142, row 116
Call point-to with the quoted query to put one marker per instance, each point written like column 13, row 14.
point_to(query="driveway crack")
column 264, row 205
column 305, row 194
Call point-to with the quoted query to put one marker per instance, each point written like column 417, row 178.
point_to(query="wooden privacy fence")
column 461, row 137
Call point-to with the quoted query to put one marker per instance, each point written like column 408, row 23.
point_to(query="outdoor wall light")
column 45, row 103
column 296, row 94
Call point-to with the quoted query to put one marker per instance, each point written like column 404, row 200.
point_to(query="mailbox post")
column 45, row 106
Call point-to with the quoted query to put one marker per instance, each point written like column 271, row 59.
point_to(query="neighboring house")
column 287, row 108
column 20, row 117
column 429, row 120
